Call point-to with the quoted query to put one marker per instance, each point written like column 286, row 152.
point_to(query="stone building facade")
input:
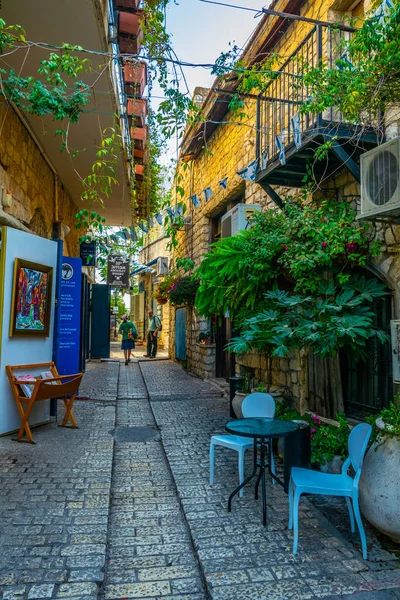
column 222, row 145
column 39, row 201
column 147, row 279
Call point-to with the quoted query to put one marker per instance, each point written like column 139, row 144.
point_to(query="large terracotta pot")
column 237, row 404
column 379, row 485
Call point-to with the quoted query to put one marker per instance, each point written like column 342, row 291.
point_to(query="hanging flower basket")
column 182, row 290
column 162, row 300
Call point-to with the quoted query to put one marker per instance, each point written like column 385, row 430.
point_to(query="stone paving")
column 121, row 508
column 54, row 508
column 240, row 558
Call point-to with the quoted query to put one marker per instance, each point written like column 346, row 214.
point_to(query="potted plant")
column 379, row 482
column 205, row 338
column 161, row 292
column 329, row 443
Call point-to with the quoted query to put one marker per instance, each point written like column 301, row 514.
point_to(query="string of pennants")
column 247, row 174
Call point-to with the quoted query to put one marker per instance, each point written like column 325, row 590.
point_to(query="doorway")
column 180, row 334
column 100, row 322
column 367, row 384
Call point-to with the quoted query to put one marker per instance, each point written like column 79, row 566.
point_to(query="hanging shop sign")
column 88, row 254
column 118, row 271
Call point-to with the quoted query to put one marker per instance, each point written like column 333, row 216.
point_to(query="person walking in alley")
column 152, row 334
column 129, row 335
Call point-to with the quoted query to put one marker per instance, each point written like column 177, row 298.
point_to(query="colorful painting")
column 31, row 299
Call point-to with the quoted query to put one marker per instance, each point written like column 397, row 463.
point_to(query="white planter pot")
column 237, row 404
column 380, row 487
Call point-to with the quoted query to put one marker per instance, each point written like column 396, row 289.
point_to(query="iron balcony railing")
column 287, row 92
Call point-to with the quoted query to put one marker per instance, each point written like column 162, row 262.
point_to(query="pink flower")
column 313, row 430
column 324, row 245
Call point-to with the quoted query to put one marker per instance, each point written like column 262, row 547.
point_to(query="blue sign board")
column 69, row 316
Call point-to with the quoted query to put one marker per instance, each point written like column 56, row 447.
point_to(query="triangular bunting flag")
column 295, row 123
column 280, row 144
column 195, row 200
column 248, row 173
column 134, row 235
column 223, row 183
column 143, row 228
column 264, row 158
column 158, row 217
column 207, row 193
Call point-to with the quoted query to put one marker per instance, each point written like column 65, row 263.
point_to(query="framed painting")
column 31, row 299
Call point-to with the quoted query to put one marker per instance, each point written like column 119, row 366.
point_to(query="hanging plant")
column 182, row 290
column 161, row 292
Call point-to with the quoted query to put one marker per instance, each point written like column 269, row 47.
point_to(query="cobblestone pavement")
column 121, row 508
column 54, row 508
column 240, row 558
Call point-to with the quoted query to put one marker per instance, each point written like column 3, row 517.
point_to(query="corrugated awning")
column 144, row 267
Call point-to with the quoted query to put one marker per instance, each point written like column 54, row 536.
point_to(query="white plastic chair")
column 306, row 481
column 257, row 404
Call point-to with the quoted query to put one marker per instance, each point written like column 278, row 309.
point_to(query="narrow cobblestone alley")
column 121, row 508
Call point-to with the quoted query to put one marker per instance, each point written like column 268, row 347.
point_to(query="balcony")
column 139, row 172
column 127, row 4
column 139, row 137
column 280, row 103
column 135, row 77
column 137, row 111
column 138, row 155
column 130, row 34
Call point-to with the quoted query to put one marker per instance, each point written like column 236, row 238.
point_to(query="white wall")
column 23, row 350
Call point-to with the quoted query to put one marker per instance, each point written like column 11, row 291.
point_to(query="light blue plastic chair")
column 306, row 481
column 257, row 404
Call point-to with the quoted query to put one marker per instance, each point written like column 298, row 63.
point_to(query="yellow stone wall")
column 231, row 148
column 25, row 172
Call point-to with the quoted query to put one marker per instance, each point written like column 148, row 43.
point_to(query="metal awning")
column 144, row 267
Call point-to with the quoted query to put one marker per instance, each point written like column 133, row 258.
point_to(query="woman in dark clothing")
column 129, row 334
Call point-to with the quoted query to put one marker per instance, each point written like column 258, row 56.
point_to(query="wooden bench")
column 60, row 386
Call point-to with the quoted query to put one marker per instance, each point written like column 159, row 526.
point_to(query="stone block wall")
column 39, row 198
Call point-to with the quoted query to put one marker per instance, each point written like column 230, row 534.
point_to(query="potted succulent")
column 205, row 338
column 379, row 482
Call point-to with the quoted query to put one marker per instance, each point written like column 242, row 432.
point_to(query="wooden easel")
column 44, row 389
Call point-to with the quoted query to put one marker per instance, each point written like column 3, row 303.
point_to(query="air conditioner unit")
column 380, row 180
column 162, row 265
column 237, row 219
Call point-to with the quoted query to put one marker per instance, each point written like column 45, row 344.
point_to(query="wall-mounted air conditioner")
column 237, row 219
column 380, row 181
column 162, row 265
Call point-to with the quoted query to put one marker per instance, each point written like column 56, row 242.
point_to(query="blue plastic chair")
column 257, row 404
column 306, row 481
